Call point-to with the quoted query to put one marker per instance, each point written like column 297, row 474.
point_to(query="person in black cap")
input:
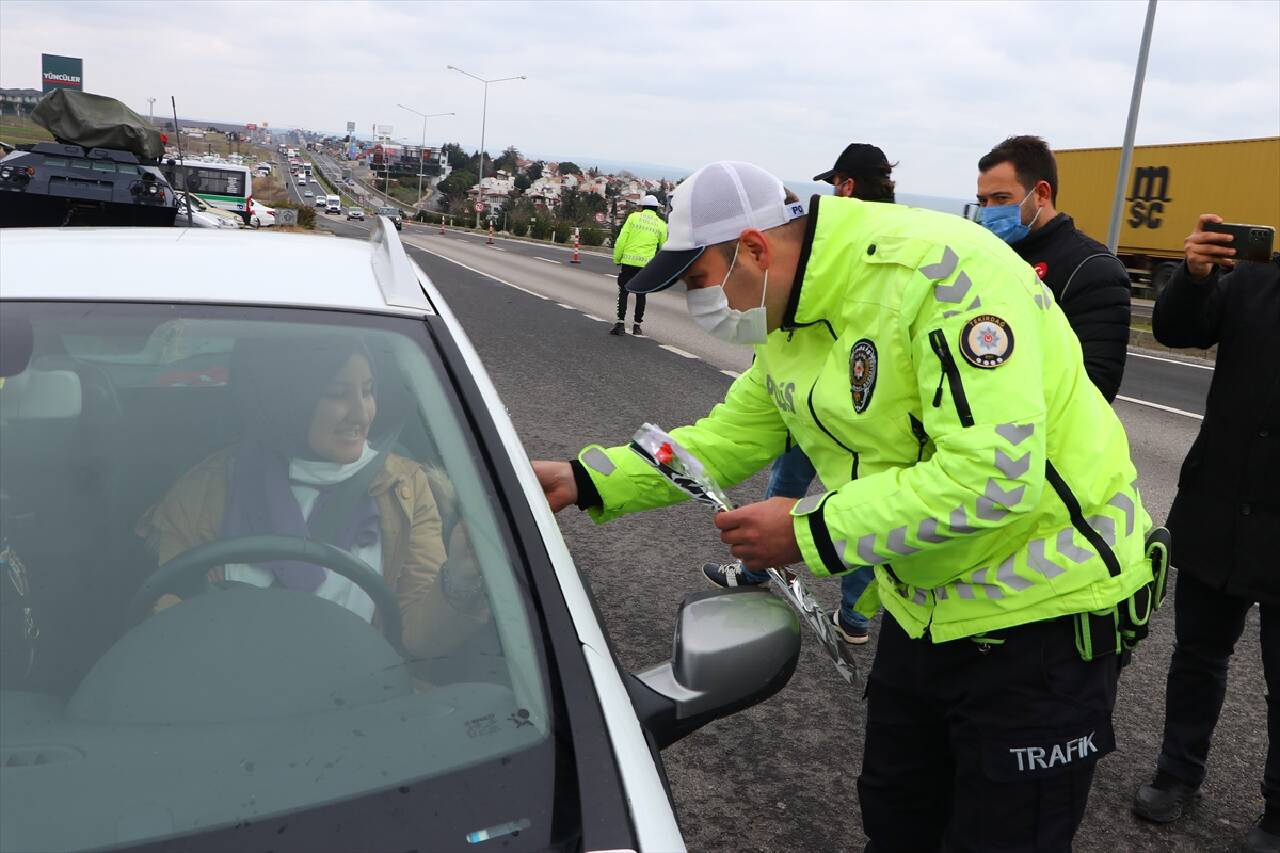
column 861, row 171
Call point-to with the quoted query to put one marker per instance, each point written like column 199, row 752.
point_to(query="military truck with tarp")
column 101, row 169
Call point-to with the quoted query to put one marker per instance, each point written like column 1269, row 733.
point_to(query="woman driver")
column 308, row 407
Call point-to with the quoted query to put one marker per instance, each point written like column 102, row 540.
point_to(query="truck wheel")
column 1160, row 278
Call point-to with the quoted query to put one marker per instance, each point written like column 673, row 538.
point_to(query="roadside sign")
column 599, row 217
column 479, row 207
column 285, row 216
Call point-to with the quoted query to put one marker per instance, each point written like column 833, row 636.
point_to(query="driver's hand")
column 556, row 479
column 165, row 601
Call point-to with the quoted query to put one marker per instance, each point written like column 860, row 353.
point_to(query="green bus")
column 225, row 185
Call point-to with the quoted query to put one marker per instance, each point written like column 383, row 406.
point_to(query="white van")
column 332, row 204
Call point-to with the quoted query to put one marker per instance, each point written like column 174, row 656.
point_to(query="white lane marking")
column 570, row 307
column 1170, row 360
column 1162, row 407
column 498, row 248
column 731, row 374
column 545, row 260
column 597, row 319
column 610, row 275
column 478, row 272
column 678, row 351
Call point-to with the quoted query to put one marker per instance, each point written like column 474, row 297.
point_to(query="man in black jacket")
column 1017, row 191
column 1225, row 520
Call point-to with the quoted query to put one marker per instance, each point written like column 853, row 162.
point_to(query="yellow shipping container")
column 1169, row 186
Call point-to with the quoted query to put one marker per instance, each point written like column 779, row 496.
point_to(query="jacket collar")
column 834, row 230
column 1037, row 239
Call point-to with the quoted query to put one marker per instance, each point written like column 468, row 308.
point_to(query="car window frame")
column 601, row 788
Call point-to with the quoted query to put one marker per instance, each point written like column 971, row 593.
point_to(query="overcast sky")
column 783, row 85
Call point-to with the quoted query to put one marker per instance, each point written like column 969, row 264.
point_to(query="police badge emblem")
column 862, row 374
column 986, row 341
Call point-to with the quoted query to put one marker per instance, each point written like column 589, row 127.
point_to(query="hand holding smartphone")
column 1223, row 243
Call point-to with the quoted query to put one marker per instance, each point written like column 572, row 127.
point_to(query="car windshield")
column 251, row 567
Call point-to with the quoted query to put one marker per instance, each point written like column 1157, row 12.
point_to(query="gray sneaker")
column 726, row 575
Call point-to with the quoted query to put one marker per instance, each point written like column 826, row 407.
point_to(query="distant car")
column 198, row 217
column 309, row 194
column 321, row 203
column 206, row 212
column 392, row 213
column 262, row 216
column 355, row 213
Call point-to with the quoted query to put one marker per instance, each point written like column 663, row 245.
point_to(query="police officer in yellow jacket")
column 641, row 236
column 964, row 453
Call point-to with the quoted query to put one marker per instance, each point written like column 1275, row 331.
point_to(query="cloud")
column 786, row 85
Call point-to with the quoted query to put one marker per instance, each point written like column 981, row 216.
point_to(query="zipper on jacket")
column 853, row 475
column 951, row 373
column 917, row 429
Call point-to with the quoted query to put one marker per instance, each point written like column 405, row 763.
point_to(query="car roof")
column 211, row 267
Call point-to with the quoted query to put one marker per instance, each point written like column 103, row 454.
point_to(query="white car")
column 201, row 216
column 262, row 216
column 301, row 695
column 308, row 194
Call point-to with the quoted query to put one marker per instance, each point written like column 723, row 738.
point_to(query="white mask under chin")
column 709, row 308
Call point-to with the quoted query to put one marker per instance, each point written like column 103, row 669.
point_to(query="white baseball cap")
column 650, row 201
column 714, row 205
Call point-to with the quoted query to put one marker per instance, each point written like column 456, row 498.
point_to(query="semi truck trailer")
column 1167, row 188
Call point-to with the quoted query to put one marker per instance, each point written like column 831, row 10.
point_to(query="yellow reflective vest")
column 943, row 399
column 641, row 236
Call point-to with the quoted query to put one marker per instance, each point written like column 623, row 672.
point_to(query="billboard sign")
column 351, row 128
column 61, row 72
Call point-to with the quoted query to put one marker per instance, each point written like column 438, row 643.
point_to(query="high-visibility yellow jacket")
column 943, row 399
column 641, row 236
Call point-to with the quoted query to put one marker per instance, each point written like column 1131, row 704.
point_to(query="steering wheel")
column 191, row 568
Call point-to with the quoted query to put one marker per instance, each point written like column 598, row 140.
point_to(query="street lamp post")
column 422, row 151
column 484, row 111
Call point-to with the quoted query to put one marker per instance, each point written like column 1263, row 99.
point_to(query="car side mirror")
column 732, row 649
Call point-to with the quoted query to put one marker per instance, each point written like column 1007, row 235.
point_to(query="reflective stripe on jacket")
column 943, row 399
column 641, row 236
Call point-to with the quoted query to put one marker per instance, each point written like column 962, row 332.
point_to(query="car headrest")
column 41, row 394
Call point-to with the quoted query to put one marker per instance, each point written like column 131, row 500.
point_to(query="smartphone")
column 1252, row 242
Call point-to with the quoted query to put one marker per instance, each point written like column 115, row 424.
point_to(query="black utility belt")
column 1119, row 629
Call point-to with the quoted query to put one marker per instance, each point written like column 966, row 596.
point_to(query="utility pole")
column 422, row 151
column 151, row 110
column 484, row 111
column 1130, row 128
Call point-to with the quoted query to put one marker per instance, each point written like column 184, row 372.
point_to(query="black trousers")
column 991, row 748
column 1206, row 625
column 626, row 275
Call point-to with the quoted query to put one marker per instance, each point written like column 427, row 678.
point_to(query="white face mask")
column 709, row 308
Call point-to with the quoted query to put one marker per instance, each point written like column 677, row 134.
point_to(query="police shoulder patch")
column 862, row 374
column 986, row 341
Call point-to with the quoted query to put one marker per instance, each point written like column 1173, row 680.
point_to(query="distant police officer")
column 1017, row 191
column 940, row 393
column 638, row 241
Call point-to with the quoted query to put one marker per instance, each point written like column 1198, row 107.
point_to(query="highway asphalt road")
column 782, row 776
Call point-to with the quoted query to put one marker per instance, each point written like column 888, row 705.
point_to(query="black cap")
column 857, row 160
